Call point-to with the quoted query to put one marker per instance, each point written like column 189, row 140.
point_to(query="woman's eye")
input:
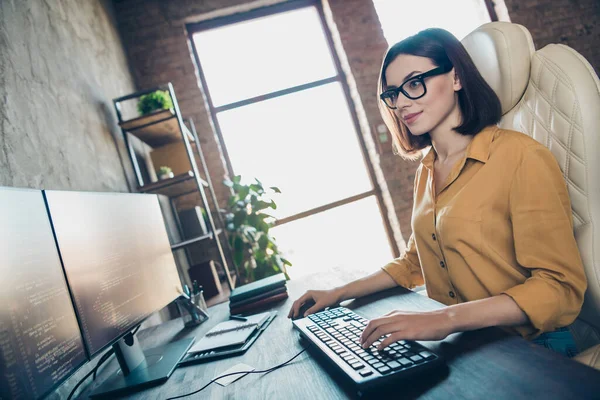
column 414, row 84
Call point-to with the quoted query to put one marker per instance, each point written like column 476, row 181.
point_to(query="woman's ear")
column 456, row 85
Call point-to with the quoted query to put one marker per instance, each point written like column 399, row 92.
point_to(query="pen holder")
column 193, row 309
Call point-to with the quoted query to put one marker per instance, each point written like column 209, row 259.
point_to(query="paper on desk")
column 232, row 378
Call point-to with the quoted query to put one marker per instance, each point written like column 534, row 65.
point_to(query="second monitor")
column 120, row 268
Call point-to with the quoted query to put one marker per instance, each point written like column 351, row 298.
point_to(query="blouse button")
column 433, row 236
column 451, row 294
column 442, row 264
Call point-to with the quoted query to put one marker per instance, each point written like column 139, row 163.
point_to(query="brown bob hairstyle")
column 479, row 105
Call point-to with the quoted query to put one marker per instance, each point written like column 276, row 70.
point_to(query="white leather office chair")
column 553, row 95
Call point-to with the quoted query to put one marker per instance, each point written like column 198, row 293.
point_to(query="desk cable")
column 237, row 373
column 102, row 360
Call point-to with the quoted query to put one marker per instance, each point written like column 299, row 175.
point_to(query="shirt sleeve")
column 406, row 269
column 540, row 211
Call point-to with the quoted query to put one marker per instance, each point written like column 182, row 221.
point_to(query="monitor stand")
column 141, row 369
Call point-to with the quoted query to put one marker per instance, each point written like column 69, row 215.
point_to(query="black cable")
column 104, row 357
column 102, row 360
column 110, row 353
column 236, row 373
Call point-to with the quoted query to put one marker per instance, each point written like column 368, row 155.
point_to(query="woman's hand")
column 407, row 325
column 320, row 298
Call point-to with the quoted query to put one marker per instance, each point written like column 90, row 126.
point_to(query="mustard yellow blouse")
column 501, row 224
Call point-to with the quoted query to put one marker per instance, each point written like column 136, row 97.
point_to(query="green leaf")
column 273, row 205
column 237, row 179
column 232, row 200
column 286, row 262
column 261, row 205
column 239, row 218
column 243, row 192
column 263, row 241
column 238, row 254
column 275, row 189
column 255, row 187
column 228, row 183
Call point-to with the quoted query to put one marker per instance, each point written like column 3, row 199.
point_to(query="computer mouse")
column 303, row 308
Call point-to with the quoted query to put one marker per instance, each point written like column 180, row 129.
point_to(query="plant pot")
column 166, row 176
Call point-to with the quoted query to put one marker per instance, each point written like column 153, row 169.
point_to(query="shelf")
column 156, row 129
column 173, row 187
column 194, row 240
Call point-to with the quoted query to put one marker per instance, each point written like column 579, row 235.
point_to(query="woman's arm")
column 404, row 271
column 499, row 310
column 373, row 283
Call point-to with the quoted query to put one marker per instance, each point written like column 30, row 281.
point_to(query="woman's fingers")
column 377, row 328
column 318, row 306
column 298, row 303
column 394, row 337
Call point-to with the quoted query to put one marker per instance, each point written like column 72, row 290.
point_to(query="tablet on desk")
column 228, row 338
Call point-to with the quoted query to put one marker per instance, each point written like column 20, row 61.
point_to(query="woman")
column 492, row 227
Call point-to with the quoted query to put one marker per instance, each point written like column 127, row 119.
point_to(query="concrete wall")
column 61, row 64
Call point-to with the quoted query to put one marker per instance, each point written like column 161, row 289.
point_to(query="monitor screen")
column 40, row 341
column 117, row 259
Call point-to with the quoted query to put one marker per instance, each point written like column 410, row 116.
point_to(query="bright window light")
column 401, row 19
column 263, row 55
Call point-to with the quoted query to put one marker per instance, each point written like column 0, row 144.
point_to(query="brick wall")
column 154, row 35
column 575, row 23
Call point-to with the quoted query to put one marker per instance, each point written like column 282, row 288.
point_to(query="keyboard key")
column 394, row 365
column 417, row 358
column 405, row 362
column 357, row 365
column 378, row 365
column 366, row 372
column 426, row 355
column 384, row 370
column 356, row 324
column 373, row 361
column 368, row 358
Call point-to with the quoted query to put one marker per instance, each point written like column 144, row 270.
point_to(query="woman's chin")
column 418, row 132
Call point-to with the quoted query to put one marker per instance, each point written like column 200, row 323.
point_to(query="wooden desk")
column 486, row 364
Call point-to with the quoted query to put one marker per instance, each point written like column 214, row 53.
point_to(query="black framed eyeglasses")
column 413, row 88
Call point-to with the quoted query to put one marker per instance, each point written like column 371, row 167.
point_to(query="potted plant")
column 255, row 252
column 158, row 100
column 165, row 173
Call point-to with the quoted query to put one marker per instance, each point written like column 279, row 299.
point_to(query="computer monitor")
column 120, row 269
column 40, row 340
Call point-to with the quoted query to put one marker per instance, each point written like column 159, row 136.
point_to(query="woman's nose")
column 402, row 101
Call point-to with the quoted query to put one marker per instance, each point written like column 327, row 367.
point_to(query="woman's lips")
column 410, row 118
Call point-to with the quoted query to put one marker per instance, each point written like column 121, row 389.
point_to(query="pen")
column 238, row 317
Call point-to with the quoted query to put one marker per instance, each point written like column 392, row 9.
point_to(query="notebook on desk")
column 229, row 351
column 230, row 333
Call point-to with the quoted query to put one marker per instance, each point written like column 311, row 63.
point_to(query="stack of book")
column 258, row 294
